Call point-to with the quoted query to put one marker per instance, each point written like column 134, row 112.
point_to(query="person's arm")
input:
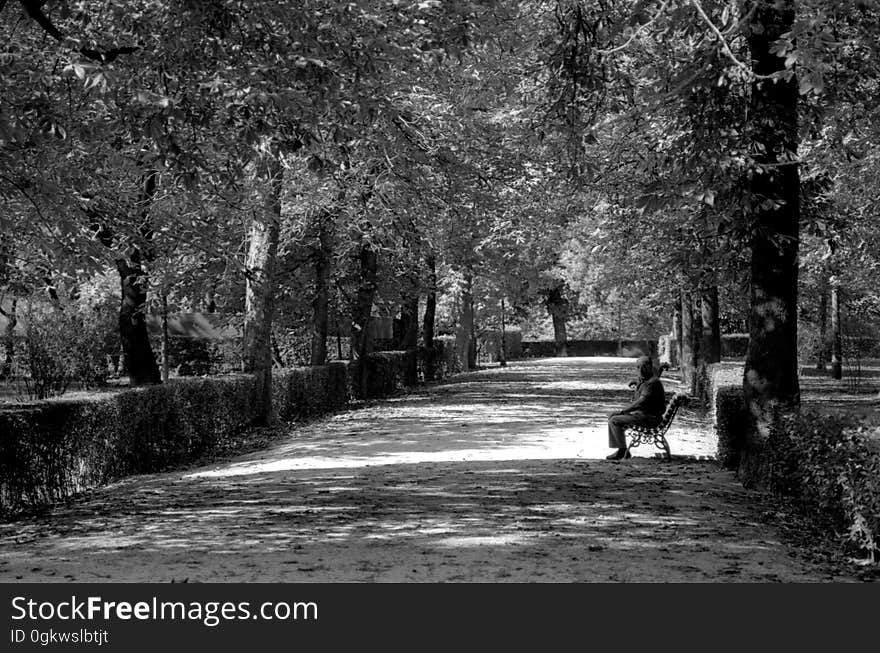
column 637, row 404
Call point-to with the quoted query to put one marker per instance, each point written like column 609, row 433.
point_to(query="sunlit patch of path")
column 494, row 476
column 534, row 410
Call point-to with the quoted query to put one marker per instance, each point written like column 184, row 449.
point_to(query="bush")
column 63, row 345
column 824, row 464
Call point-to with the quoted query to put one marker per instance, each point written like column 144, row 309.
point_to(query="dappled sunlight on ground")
column 492, row 477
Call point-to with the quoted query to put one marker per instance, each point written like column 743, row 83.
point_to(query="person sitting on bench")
column 646, row 410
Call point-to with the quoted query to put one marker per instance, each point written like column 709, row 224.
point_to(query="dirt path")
column 495, row 477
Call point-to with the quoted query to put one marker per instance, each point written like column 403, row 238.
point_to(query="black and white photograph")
column 436, row 292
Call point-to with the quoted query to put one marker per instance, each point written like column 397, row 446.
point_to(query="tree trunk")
column 502, row 349
column 822, row 349
column 363, row 308
column 688, row 349
column 836, row 339
column 11, row 316
column 429, row 318
column 165, row 349
column 140, row 362
column 465, row 336
column 321, row 301
column 770, row 381
column 410, row 327
column 710, row 343
column 675, row 344
column 259, row 288
column 557, row 306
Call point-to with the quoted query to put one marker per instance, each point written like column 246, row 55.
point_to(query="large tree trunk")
column 710, row 343
column 259, row 288
column 140, row 362
column 363, row 307
column 689, row 338
column 321, row 301
column 429, row 318
column 770, row 381
column 139, row 359
column 836, row 339
column 557, row 307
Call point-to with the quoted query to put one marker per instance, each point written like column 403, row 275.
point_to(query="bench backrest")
column 675, row 403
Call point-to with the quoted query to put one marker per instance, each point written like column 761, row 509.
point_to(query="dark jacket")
column 650, row 398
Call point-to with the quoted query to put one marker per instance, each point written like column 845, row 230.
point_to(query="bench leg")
column 665, row 445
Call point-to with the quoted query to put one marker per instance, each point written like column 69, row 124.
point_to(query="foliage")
column 64, row 344
column 303, row 392
column 825, row 465
column 727, row 403
column 384, row 374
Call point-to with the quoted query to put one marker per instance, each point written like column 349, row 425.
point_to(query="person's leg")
column 617, row 424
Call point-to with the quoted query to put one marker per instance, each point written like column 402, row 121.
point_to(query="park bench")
column 657, row 435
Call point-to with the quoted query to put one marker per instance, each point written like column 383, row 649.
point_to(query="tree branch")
column 725, row 47
column 35, row 11
column 641, row 28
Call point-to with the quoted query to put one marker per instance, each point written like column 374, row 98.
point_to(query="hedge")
column 727, row 405
column 826, row 466
column 53, row 449
column 385, row 372
column 302, row 392
column 628, row 348
column 734, row 345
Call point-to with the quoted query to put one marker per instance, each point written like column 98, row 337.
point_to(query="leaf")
column 708, row 197
column 154, row 99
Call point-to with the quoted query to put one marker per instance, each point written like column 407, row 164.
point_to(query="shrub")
column 825, row 465
column 63, row 345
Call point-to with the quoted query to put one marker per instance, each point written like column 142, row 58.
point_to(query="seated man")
column 646, row 410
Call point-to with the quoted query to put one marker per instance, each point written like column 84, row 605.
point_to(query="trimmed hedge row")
column 385, row 372
column 53, row 449
column 728, row 409
column 628, row 348
column 302, row 392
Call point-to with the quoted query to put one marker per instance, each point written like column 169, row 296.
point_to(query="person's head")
column 645, row 367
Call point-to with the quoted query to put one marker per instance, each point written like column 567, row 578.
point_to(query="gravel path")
column 497, row 476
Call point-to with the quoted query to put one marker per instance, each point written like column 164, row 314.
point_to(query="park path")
column 496, row 476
